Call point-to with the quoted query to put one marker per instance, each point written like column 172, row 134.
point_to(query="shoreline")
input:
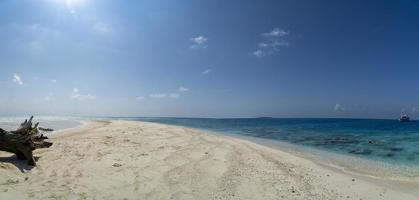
column 83, row 123
column 142, row 160
column 381, row 170
column 323, row 158
column 376, row 169
column 406, row 183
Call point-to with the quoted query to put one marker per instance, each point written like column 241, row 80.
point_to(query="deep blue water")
column 384, row 140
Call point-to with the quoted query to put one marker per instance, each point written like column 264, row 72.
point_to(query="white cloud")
column 339, row 107
column 258, row 53
column 263, row 45
column 183, row 89
column 158, row 96
column 272, row 42
column 53, row 81
column 81, row 97
column 17, row 79
column 207, row 71
column 140, row 98
column 276, row 32
column 174, row 95
column 199, row 42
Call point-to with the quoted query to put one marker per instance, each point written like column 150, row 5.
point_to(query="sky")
column 210, row 58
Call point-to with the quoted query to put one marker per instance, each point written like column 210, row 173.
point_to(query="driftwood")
column 24, row 140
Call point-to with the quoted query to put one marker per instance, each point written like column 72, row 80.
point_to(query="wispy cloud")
column 199, row 42
column 17, row 79
column 207, row 71
column 276, row 32
column 263, row 45
column 174, row 95
column 183, row 89
column 272, row 42
column 81, row 97
column 258, row 53
column 164, row 95
column 158, row 96
column 140, row 98
column 339, row 107
column 53, row 81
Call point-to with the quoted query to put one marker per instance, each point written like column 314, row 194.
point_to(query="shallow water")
column 56, row 123
column 382, row 140
column 348, row 163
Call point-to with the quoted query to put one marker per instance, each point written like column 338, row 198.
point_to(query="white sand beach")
column 139, row 160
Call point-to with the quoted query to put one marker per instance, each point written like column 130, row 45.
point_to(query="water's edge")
column 345, row 163
column 58, row 124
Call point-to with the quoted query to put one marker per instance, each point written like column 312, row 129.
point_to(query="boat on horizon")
column 404, row 118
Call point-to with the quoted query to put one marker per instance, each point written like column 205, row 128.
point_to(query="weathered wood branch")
column 24, row 140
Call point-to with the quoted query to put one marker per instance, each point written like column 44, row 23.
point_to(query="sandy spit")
column 139, row 160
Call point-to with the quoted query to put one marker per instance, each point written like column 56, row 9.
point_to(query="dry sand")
column 138, row 160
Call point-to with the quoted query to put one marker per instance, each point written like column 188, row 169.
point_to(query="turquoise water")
column 375, row 139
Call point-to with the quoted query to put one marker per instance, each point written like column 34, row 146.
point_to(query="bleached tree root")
column 24, row 140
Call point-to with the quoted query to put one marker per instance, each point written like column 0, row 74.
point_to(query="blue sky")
column 213, row 58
